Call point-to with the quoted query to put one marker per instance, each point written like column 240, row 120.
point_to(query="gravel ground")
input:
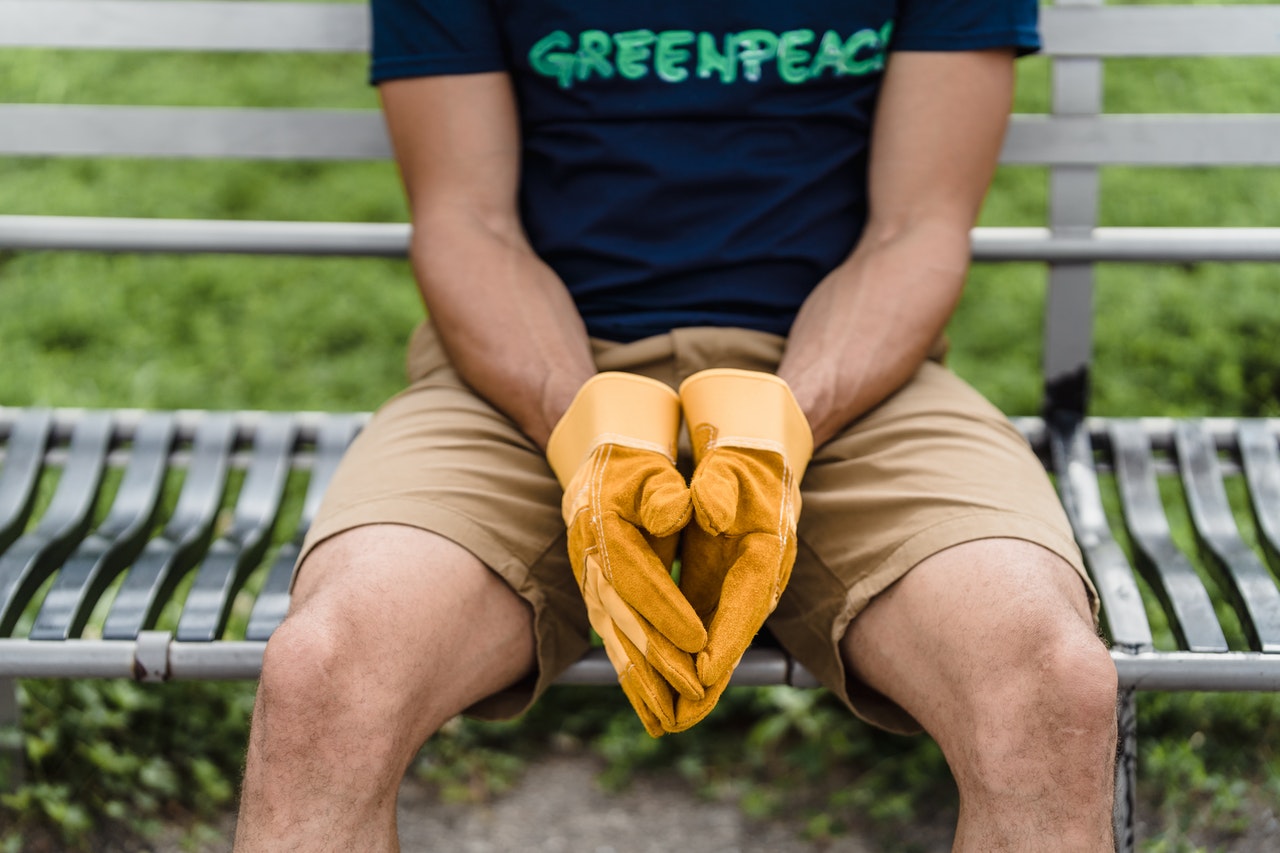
column 558, row 808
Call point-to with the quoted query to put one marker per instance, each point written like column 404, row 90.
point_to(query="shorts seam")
column 339, row 521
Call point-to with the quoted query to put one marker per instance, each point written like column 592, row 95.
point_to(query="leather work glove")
column 751, row 445
column 624, row 504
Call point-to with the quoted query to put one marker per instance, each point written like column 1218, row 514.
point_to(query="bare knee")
column 316, row 696
column 1048, row 712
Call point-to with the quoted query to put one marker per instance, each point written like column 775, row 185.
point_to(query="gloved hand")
column 751, row 445
column 624, row 504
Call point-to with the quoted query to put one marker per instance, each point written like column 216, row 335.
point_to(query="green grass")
column 292, row 333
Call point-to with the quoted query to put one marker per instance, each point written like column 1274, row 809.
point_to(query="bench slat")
column 1137, row 31
column 272, row 603
column 58, row 130
column 23, row 461
column 1117, row 31
column 235, row 553
column 36, row 555
column 117, row 541
column 1071, row 454
column 169, row 556
column 1240, row 573
column 71, row 130
column 1143, row 140
column 189, row 25
column 1162, row 563
column 1261, row 462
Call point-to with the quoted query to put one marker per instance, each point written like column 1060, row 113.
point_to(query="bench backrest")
column 1073, row 140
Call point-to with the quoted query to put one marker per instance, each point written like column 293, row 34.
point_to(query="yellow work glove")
column 751, row 445
column 624, row 504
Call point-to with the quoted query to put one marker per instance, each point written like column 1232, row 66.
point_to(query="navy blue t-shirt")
column 687, row 162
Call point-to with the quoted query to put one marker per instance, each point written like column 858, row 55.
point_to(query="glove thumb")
column 665, row 504
column 715, row 492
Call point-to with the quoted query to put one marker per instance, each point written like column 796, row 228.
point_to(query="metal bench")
column 56, row 563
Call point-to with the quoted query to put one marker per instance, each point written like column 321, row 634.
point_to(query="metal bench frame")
column 1074, row 141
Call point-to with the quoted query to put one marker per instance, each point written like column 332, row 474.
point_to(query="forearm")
column 869, row 325
column 505, row 318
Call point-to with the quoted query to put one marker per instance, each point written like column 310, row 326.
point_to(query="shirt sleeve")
column 966, row 25
column 416, row 38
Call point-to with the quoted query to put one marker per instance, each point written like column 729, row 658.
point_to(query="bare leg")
column 990, row 646
column 392, row 632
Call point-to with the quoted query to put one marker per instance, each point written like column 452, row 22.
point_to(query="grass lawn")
column 89, row 330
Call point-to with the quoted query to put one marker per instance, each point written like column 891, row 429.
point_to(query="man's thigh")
column 933, row 467
column 955, row 631
column 420, row 616
column 440, row 461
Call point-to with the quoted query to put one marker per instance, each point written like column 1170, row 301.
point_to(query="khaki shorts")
column 933, row 466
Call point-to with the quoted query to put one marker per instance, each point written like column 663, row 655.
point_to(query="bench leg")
column 12, row 755
column 1126, row 807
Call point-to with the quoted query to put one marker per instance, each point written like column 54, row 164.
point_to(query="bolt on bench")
column 57, row 564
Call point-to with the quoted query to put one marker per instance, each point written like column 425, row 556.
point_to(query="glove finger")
column 648, row 719
column 675, row 666
column 652, row 697
column 751, row 589
column 610, row 616
column 644, row 582
column 672, row 663
column 690, row 712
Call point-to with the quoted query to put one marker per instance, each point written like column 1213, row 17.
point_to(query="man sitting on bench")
column 687, row 267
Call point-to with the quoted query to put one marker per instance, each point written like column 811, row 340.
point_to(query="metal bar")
column 25, row 451
column 273, row 599
column 391, row 240
column 1261, row 463
column 168, row 557
column 1143, row 140
column 234, row 554
column 1239, row 571
column 1072, row 456
column 1125, row 811
column 1239, row 672
column 104, row 554
column 244, row 424
column 73, row 130
column 1116, row 31
column 67, row 659
column 1073, row 211
column 36, row 555
column 251, row 26
column 194, row 25
column 76, row 130
column 1135, row 245
column 1162, row 563
column 96, row 234
column 231, row 660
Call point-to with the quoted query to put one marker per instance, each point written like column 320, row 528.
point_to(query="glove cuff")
column 614, row 408
column 746, row 408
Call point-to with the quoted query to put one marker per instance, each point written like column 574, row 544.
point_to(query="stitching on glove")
column 612, row 438
column 597, row 515
column 748, row 442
